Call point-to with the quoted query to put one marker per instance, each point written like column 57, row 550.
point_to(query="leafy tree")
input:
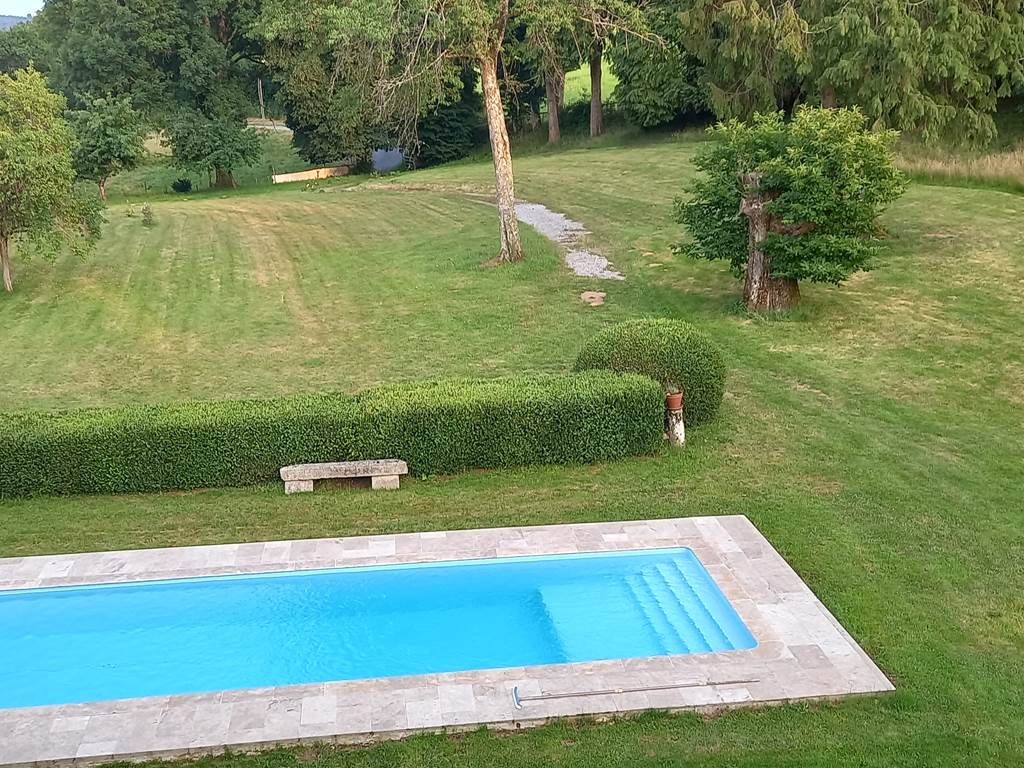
column 214, row 146
column 550, row 45
column 110, row 138
column 659, row 81
column 191, row 57
column 22, row 46
column 521, row 79
column 790, row 201
column 41, row 210
column 411, row 55
column 934, row 67
column 113, row 47
column 330, row 118
column 753, row 52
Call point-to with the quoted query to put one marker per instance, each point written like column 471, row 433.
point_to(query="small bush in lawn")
column 672, row 352
column 147, row 215
column 182, row 186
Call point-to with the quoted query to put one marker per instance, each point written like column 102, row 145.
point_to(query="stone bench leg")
column 298, row 486
column 384, row 483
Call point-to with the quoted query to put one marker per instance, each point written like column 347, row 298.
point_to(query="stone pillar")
column 675, row 428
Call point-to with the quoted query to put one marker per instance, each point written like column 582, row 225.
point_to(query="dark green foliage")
column 21, row 46
column 182, row 186
column 933, row 67
column 825, row 179
column 453, row 131
column 203, row 144
column 453, row 425
column 108, row 46
column 672, row 352
column 437, row 427
column 110, row 138
column 192, row 57
column 659, row 83
column 575, row 118
column 329, row 119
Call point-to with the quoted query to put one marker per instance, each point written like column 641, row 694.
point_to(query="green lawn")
column 874, row 436
column 577, row 83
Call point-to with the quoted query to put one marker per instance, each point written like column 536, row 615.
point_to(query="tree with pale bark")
column 407, row 57
column 790, row 201
column 42, row 212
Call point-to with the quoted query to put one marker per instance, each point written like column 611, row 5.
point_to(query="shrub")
column 574, row 119
column 453, row 425
column 182, row 186
column 148, row 219
column 437, row 427
column 672, row 352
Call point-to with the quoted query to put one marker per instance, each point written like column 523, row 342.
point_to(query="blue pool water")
column 113, row 641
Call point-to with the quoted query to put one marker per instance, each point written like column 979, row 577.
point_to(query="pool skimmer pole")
column 518, row 700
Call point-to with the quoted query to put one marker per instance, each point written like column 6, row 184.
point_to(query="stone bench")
column 383, row 473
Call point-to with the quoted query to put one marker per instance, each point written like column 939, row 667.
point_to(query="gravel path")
column 559, row 228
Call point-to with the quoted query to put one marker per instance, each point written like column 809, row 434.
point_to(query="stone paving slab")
column 802, row 651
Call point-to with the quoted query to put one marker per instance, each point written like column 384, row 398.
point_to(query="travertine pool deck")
column 802, row 650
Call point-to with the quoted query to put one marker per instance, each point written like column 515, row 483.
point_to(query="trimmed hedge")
column 670, row 351
column 437, row 427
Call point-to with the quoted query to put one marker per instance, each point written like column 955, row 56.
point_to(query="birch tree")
column 407, row 57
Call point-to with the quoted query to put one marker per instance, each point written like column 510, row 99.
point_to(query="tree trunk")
column 554, row 131
column 225, row 179
column 828, row 97
column 761, row 291
column 103, row 189
column 511, row 246
column 596, row 105
column 5, row 260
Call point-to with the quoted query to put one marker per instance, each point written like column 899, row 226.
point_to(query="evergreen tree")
column 934, row 67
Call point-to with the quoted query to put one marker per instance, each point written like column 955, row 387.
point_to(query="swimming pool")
column 112, row 641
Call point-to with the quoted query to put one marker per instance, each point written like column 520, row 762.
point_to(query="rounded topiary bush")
column 670, row 351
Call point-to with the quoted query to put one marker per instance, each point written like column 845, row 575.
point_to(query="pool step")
column 653, row 611
column 675, row 610
column 721, row 613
